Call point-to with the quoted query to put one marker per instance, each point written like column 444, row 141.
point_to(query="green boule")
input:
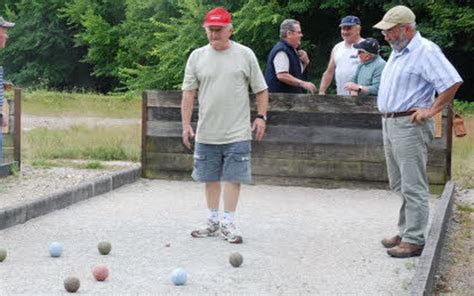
column 104, row 248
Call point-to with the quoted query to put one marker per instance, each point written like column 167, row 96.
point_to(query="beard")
column 401, row 42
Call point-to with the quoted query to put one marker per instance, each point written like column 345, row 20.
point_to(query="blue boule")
column 55, row 249
column 179, row 276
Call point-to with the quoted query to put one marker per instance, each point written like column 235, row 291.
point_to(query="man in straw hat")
column 417, row 82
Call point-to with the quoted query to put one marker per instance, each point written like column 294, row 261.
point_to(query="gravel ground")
column 297, row 241
column 456, row 268
column 32, row 183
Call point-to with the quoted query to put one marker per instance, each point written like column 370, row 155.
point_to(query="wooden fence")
column 311, row 140
column 12, row 137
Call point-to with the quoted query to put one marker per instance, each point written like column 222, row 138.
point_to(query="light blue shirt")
column 369, row 73
column 413, row 75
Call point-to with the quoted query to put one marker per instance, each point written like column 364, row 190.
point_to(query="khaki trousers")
column 406, row 154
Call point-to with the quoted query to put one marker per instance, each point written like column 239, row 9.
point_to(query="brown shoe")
column 391, row 242
column 405, row 250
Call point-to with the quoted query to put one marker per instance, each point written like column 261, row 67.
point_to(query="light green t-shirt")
column 222, row 78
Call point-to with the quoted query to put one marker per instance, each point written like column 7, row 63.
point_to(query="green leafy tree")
column 98, row 29
column 41, row 49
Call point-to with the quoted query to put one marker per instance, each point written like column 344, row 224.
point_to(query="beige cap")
column 397, row 15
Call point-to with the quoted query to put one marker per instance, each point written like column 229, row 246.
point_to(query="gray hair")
column 411, row 26
column 286, row 26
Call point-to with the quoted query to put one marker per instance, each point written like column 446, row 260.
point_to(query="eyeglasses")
column 391, row 30
column 217, row 30
column 347, row 28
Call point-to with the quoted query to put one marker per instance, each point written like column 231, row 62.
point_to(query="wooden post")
column 6, row 111
column 17, row 128
column 144, row 129
column 438, row 118
column 449, row 141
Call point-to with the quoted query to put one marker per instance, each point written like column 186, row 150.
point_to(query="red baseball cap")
column 217, row 17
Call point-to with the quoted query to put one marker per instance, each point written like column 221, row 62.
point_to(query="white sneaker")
column 210, row 229
column 231, row 233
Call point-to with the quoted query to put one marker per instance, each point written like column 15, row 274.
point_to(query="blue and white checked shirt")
column 412, row 76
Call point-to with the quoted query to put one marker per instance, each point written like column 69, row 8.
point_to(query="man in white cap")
column 343, row 61
column 4, row 25
column 220, row 75
column 417, row 83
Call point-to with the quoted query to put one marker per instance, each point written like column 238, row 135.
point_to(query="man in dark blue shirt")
column 286, row 64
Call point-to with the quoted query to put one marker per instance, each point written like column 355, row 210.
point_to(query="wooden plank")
column 163, row 98
column 8, row 140
column 438, row 118
column 17, row 126
column 144, row 149
column 5, row 112
column 370, row 153
column 291, row 134
column 8, row 155
column 284, row 102
column 311, row 119
column 337, row 170
column 449, row 139
column 294, row 134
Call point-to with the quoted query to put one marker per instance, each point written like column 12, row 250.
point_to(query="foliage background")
column 131, row 45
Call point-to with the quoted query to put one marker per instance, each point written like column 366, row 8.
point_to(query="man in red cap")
column 220, row 74
column 4, row 25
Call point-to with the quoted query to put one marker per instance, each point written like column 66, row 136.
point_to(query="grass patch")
column 13, row 169
column 463, row 156
column 81, row 142
column 42, row 163
column 465, row 207
column 464, row 107
column 92, row 165
column 49, row 103
column 72, row 163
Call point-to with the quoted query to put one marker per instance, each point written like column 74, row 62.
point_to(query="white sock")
column 228, row 218
column 213, row 215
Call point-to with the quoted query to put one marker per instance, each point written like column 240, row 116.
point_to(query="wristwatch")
column 264, row 117
column 359, row 89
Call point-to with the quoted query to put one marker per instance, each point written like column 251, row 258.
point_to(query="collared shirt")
column 413, row 75
column 281, row 62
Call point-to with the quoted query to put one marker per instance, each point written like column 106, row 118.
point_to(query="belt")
column 397, row 114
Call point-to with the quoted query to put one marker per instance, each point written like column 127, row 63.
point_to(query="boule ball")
column 179, row 277
column 104, row 248
column 72, row 284
column 100, row 272
column 236, row 259
column 3, row 254
column 55, row 249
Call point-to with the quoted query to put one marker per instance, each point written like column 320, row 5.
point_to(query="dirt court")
column 297, row 241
